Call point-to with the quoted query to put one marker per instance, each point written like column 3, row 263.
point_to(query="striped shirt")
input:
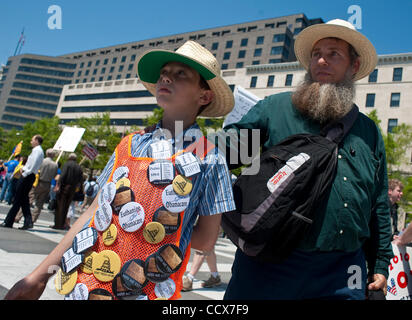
column 212, row 189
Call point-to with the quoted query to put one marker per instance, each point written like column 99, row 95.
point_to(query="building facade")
column 31, row 84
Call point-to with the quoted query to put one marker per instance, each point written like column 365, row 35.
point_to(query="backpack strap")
column 337, row 130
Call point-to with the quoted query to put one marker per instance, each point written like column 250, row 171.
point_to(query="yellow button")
column 106, row 265
column 110, row 235
column 123, row 182
column 65, row 282
column 182, row 185
column 87, row 265
column 154, row 232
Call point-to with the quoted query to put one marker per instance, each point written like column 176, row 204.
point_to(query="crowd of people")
column 360, row 208
column 28, row 183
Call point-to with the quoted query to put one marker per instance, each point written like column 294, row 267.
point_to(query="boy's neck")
column 172, row 124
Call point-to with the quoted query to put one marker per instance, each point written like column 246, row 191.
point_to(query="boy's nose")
column 165, row 78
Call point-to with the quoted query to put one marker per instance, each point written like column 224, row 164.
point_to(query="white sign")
column 400, row 275
column 69, row 139
column 244, row 101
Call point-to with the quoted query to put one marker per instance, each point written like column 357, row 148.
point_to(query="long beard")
column 324, row 102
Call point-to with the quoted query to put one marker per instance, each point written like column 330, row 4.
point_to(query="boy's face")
column 178, row 88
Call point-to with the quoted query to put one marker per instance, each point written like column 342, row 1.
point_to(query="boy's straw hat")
column 197, row 57
column 337, row 29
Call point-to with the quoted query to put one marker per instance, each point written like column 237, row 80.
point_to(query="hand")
column 378, row 282
column 397, row 241
column 26, row 289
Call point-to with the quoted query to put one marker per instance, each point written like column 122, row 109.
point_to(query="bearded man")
column 333, row 260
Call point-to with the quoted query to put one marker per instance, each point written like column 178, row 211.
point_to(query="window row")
column 271, row 81
column 282, row 37
column 396, row 76
column 395, row 100
column 106, row 61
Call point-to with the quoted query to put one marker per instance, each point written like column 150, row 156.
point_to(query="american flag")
column 392, row 287
column 90, row 151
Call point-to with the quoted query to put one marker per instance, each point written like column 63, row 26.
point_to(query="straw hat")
column 197, row 57
column 337, row 29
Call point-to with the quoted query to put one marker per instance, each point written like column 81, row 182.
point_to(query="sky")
column 91, row 24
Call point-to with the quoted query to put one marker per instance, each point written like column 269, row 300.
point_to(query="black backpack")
column 90, row 189
column 276, row 207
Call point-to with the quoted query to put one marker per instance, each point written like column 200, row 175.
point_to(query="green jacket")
column 359, row 195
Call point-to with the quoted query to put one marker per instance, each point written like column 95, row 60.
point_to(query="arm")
column 33, row 285
column 404, row 238
column 205, row 232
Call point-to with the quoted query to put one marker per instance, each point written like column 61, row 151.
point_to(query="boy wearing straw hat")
column 330, row 262
column 186, row 83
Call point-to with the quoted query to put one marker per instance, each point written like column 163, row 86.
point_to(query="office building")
column 32, row 84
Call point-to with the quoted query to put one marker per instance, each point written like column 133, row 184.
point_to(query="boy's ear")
column 206, row 97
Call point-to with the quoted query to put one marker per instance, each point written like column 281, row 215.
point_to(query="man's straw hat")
column 197, row 57
column 337, row 29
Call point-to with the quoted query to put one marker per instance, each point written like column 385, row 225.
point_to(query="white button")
column 344, row 178
column 345, row 205
column 341, row 232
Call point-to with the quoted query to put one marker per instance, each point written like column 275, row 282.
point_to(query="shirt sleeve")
column 217, row 196
column 380, row 220
column 101, row 181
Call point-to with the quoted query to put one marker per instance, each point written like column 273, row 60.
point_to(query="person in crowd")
column 25, row 184
column 398, row 216
column 10, row 166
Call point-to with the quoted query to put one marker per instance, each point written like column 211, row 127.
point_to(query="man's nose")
column 322, row 60
column 165, row 78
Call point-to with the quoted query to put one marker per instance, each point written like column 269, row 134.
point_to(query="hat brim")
column 308, row 37
column 151, row 62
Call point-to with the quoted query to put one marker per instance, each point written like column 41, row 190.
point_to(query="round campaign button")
column 132, row 275
column 100, row 294
column 123, row 195
column 121, row 292
column 161, row 149
column 169, row 258
column 154, row 232
column 119, row 173
column 165, row 289
column 110, row 235
column 131, row 216
column 103, row 216
column 80, row 292
column 106, row 265
column 123, row 182
column 87, row 265
column 169, row 220
column 174, row 202
column 65, row 282
column 182, row 185
column 84, row 240
column 107, row 193
column 152, row 272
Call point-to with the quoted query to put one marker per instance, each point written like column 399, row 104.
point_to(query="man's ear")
column 356, row 66
column 206, row 97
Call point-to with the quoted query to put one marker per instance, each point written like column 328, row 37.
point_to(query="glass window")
column 121, row 68
column 370, row 100
column 279, row 37
column 253, row 81
column 243, row 42
column 105, row 61
column 229, row 44
column 89, row 64
column 392, row 123
column 275, row 61
column 397, row 74
column 81, row 64
column 133, row 57
column 239, row 65
column 97, row 62
column 215, row 45
column 226, row 56
column 258, row 52
column 242, row 54
column 260, row 40
column 224, row 66
column 123, row 58
column 271, row 80
column 114, row 60
column 255, row 62
column 395, row 99
column 87, row 72
column 103, row 70
column 373, row 77
column 276, row 50
column 79, row 73
column 288, row 81
column 94, row 71
column 111, row 69
column 130, row 67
